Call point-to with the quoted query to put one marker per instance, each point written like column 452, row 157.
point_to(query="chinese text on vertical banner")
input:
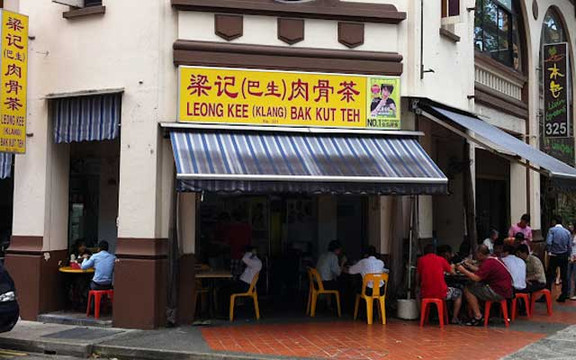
column 14, row 61
column 556, row 91
column 288, row 98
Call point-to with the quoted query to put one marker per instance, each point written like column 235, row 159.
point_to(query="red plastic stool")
column 537, row 295
column 97, row 296
column 425, row 311
column 503, row 305
column 526, row 298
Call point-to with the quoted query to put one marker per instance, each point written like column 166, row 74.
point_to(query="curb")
column 48, row 347
column 122, row 352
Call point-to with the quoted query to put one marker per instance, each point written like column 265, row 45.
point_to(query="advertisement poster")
column 14, row 65
column 231, row 96
column 556, row 91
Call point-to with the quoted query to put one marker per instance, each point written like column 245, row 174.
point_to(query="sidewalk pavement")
column 542, row 337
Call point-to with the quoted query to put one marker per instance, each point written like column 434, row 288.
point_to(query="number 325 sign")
column 556, row 91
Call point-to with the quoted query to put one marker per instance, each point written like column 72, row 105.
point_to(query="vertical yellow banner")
column 14, row 69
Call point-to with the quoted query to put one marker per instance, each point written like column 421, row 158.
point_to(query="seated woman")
column 80, row 251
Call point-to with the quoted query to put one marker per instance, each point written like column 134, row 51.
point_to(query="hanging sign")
column 219, row 95
column 556, row 91
column 13, row 86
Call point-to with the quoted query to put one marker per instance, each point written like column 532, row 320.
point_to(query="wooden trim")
column 26, row 244
column 142, row 248
column 499, row 68
column 200, row 53
column 500, row 102
column 319, row 9
column 87, row 11
column 449, row 35
column 351, row 34
column 229, row 27
column 291, row 31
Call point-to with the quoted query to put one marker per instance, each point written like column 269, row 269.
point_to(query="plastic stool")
column 503, row 305
column 97, row 296
column 537, row 295
column 425, row 311
column 526, row 298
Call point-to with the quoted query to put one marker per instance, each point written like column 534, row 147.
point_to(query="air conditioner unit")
column 74, row 3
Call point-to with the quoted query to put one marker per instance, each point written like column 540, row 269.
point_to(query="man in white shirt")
column 329, row 267
column 253, row 267
column 491, row 239
column 369, row 265
column 516, row 266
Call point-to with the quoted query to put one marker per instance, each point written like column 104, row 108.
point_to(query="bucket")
column 408, row 309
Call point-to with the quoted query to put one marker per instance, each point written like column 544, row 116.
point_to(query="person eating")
column 103, row 264
column 491, row 281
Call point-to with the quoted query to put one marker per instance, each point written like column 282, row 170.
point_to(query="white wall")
column 129, row 47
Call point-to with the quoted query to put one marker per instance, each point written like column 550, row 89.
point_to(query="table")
column 213, row 276
column 70, row 270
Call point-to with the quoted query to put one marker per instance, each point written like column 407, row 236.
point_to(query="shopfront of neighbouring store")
column 288, row 162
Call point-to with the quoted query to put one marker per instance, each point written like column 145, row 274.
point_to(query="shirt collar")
column 558, row 225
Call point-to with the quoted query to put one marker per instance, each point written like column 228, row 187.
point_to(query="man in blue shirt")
column 103, row 264
column 559, row 246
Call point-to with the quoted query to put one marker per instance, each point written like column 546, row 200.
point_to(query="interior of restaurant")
column 289, row 231
column 93, row 192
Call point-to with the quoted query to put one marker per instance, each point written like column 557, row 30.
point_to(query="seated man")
column 491, row 282
column 329, row 267
column 430, row 277
column 516, row 266
column 103, row 264
column 535, row 274
column 369, row 265
column 253, row 267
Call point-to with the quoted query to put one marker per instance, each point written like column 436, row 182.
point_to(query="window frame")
column 510, row 19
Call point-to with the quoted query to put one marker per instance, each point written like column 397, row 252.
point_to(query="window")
column 88, row 3
column 496, row 31
column 450, row 8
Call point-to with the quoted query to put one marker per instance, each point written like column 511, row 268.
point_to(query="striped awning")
column 5, row 165
column 86, row 118
column 263, row 162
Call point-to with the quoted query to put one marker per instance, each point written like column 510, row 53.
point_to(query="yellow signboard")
column 219, row 95
column 14, row 69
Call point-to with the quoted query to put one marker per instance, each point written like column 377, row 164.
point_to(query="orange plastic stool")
column 526, row 298
column 503, row 305
column 537, row 295
column 425, row 311
column 97, row 296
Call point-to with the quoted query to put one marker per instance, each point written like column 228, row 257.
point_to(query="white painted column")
column 517, row 191
column 187, row 222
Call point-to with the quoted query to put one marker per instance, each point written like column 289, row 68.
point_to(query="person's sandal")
column 475, row 322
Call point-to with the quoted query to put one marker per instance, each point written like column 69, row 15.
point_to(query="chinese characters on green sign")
column 556, row 91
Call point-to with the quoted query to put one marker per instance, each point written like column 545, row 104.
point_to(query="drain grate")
column 83, row 334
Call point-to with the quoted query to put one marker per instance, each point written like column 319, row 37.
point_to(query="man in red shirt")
column 430, row 276
column 491, row 282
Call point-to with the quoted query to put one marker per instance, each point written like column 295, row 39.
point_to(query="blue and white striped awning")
column 261, row 162
column 86, row 118
column 5, row 165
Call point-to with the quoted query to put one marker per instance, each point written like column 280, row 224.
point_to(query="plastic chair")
column 97, row 296
column 375, row 278
column 442, row 311
column 503, row 305
column 317, row 289
column 537, row 295
column 252, row 293
column 521, row 296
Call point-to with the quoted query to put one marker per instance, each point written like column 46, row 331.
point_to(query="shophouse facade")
column 104, row 113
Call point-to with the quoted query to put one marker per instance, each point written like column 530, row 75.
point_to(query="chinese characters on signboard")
column 556, row 91
column 288, row 98
column 13, row 67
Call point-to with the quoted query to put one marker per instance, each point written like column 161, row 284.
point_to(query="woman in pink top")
column 522, row 227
